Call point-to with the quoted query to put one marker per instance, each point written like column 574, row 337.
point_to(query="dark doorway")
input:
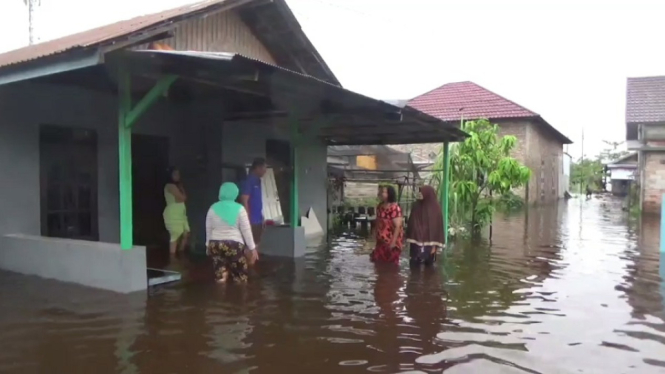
column 68, row 182
column 150, row 159
column 278, row 156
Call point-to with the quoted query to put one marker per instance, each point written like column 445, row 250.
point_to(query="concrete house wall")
column 199, row 143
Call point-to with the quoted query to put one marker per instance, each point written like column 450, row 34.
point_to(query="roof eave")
column 564, row 139
column 72, row 59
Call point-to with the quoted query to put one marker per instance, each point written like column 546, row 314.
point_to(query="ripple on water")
column 569, row 288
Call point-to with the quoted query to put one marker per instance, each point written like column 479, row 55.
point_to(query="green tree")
column 481, row 171
column 587, row 172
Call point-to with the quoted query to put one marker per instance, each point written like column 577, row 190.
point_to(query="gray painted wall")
column 245, row 140
column 198, row 145
column 92, row 264
column 26, row 106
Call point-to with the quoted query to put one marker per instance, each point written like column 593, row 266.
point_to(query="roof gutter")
column 60, row 63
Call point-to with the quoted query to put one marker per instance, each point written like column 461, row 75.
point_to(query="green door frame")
column 127, row 117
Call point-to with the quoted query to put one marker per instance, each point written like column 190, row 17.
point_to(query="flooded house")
column 645, row 135
column 539, row 144
column 622, row 174
column 90, row 122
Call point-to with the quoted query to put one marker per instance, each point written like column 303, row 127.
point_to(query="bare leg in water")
column 173, row 246
column 184, row 239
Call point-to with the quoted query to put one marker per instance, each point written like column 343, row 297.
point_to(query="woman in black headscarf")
column 424, row 231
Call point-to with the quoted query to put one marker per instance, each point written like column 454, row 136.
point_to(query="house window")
column 68, row 182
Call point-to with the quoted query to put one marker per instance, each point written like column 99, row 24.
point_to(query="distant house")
column 645, row 134
column 364, row 167
column 540, row 145
column 622, row 173
column 564, row 182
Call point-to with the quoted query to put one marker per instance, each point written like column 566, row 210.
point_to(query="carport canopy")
column 315, row 107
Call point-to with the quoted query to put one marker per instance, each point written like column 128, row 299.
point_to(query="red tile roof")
column 454, row 101
column 645, row 100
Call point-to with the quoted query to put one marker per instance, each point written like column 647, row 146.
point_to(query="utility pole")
column 582, row 160
column 32, row 5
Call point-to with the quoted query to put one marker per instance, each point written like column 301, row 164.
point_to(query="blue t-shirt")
column 252, row 188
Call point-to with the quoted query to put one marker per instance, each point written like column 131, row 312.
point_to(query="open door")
column 278, row 157
column 150, row 160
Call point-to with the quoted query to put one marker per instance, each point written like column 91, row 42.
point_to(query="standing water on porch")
column 569, row 288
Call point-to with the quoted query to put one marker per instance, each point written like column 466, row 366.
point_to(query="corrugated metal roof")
column 109, row 33
column 645, row 100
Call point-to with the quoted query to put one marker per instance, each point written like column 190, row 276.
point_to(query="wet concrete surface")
column 568, row 289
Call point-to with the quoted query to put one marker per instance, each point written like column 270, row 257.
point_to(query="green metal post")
column 125, row 160
column 445, row 186
column 295, row 142
column 127, row 116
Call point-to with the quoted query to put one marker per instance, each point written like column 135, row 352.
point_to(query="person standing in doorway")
column 252, row 199
column 175, row 213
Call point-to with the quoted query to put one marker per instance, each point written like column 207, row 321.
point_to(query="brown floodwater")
column 573, row 288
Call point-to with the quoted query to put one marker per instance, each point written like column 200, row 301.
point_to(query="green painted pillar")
column 127, row 116
column 295, row 140
column 444, row 190
column 125, row 160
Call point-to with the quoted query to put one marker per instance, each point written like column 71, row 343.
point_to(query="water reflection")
column 572, row 288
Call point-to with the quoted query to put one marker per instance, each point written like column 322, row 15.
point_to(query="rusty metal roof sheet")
column 110, row 33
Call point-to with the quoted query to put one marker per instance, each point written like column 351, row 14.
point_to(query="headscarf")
column 226, row 208
column 425, row 225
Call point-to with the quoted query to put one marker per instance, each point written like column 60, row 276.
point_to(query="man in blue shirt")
column 252, row 199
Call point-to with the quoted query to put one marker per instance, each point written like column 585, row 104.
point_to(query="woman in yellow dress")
column 175, row 213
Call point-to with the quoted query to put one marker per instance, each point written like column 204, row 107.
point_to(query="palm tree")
column 32, row 5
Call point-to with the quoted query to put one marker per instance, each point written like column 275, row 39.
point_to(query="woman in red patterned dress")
column 389, row 228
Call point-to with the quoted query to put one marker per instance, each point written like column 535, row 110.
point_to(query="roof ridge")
column 506, row 99
column 434, row 89
column 646, row 77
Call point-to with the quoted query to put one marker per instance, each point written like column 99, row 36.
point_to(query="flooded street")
column 567, row 289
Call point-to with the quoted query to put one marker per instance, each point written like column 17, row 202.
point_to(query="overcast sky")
column 565, row 59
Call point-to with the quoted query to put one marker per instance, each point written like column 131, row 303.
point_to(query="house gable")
column 219, row 32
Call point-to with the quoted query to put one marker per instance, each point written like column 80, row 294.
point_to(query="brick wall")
column 519, row 130
column 544, row 158
column 535, row 148
column 653, row 181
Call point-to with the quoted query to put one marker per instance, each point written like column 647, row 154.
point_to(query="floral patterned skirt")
column 229, row 260
column 382, row 253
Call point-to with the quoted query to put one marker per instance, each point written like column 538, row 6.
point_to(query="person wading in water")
column 424, row 231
